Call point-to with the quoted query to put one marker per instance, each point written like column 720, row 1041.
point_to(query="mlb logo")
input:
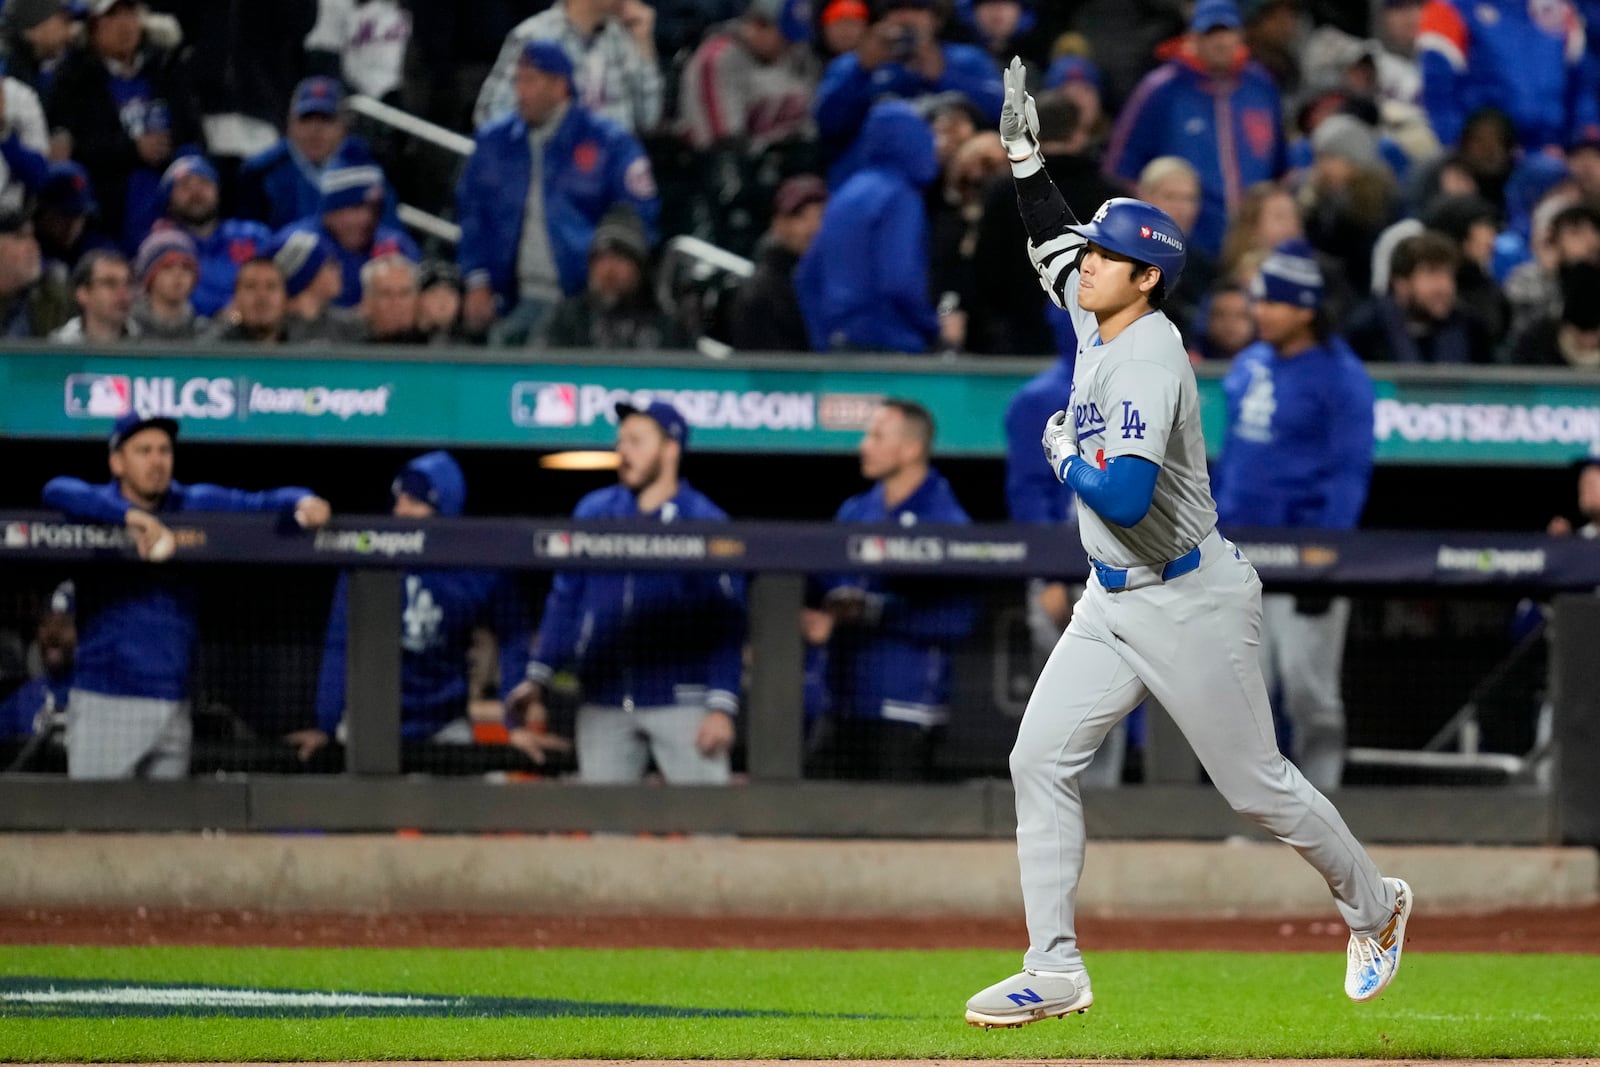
column 544, row 404
column 1144, row 231
column 553, row 544
column 98, row 396
column 16, row 535
column 867, row 549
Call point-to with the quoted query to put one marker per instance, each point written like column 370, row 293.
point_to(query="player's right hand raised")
column 1019, row 116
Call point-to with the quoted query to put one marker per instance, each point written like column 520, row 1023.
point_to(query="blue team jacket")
column 22, row 708
column 386, row 240
column 1298, row 450
column 589, row 165
column 1179, row 109
column 279, row 187
column 863, row 283
column 1033, row 493
column 656, row 638
column 848, row 91
column 137, row 622
column 1497, row 53
column 899, row 667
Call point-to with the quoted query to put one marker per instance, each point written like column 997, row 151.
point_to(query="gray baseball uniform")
column 1189, row 640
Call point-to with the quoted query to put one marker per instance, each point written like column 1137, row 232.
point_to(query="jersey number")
column 1132, row 426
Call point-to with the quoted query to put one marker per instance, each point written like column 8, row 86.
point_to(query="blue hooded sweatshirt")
column 897, row 666
column 646, row 639
column 137, row 622
column 863, row 284
column 441, row 609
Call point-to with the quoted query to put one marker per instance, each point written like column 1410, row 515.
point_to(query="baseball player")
column 1171, row 609
column 1298, row 452
column 128, row 711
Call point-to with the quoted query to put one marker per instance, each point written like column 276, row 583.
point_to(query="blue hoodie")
column 898, row 666
column 659, row 638
column 863, row 284
column 1033, row 492
column 440, row 612
column 137, row 622
column 1298, row 451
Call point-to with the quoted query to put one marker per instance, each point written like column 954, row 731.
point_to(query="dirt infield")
column 1575, row 930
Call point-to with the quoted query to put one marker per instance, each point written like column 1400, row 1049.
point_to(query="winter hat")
column 350, row 187
column 299, row 257
column 182, row 167
column 1348, row 138
column 1289, row 275
column 66, row 189
column 620, row 231
column 845, row 9
column 550, row 58
column 164, row 243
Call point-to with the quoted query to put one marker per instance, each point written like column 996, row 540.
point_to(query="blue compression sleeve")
column 1121, row 493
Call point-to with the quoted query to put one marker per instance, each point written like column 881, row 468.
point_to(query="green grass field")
column 657, row 1003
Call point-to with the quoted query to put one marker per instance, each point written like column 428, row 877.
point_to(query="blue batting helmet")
column 1140, row 231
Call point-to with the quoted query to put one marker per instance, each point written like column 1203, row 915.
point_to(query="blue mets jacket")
column 642, row 639
column 137, row 623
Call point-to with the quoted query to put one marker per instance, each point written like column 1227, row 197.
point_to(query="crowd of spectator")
column 1442, row 159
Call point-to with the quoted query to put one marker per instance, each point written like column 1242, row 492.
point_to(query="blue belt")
column 1113, row 579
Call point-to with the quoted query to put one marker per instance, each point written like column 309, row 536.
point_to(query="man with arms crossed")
column 1171, row 610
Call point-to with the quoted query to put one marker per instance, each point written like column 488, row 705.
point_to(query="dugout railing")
column 1172, row 802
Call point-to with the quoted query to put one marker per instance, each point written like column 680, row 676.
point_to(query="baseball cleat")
column 1028, row 997
column 1374, row 960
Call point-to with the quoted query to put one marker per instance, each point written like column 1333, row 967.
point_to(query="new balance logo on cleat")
column 1028, row 997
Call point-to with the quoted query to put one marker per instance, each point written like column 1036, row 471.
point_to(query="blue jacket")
column 657, row 638
column 1179, row 109
column 590, row 164
column 1298, row 450
column 386, row 240
column 440, row 612
column 1033, row 492
column 848, row 92
column 1494, row 53
column 863, row 283
column 233, row 242
column 896, row 666
column 279, row 186
column 22, row 708
column 137, row 622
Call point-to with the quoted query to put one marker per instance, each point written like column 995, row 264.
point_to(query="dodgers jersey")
column 1134, row 396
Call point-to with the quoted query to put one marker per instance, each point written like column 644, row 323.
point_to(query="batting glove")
column 1019, row 122
column 1060, row 443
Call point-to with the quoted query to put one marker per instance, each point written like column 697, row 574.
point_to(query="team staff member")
column 658, row 652
column 884, row 645
column 129, row 706
column 442, row 609
column 1171, row 610
column 1298, row 453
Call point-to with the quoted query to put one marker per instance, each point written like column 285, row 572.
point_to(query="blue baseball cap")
column 1215, row 14
column 1072, row 69
column 131, row 423
column 669, row 418
column 317, row 96
column 66, row 189
column 550, row 58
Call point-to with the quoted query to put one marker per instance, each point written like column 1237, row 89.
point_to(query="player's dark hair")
column 919, row 420
column 83, row 273
column 252, row 261
column 1156, row 296
column 1425, row 249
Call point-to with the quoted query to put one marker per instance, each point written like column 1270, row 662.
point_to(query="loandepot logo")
column 76, row 998
column 1491, row 560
